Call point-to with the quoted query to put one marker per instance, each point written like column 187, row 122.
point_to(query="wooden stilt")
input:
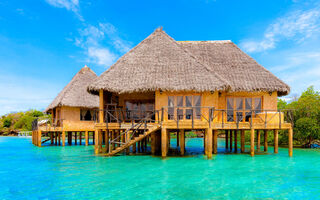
column 178, row 138
column 51, row 138
column 215, row 141
column 106, row 140
column 93, row 138
column 164, row 142
column 231, row 140
column 236, row 141
column 258, row 140
column 226, row 137
column 242, row 140
column 100, row 140
column 153, row 143
column 208, row 132
column 86, row 137
column 276, row 141
column 205, row 138
column 265, row 140
column 80, row 138
column 290, row 142
column 75, row 138
column 56, row 138
column 252, row 142
column 39, row 138
column 112, row 138
column 134, row 146
column 96, row 142
column 182, row 142
column 103, row 138
column 63, row 138
column 59, row 138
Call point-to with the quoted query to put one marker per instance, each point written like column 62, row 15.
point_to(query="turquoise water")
column 72, row 172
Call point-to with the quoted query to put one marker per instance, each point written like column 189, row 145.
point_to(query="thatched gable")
column 158, row 62
column 242, row 72
column 75, row 94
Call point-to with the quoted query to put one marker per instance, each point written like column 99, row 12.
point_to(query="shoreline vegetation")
column 305, row 119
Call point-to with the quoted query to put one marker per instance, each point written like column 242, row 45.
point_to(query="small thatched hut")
column 74, row 103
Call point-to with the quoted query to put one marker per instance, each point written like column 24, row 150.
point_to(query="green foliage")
column 21, row 121
column 306, row 116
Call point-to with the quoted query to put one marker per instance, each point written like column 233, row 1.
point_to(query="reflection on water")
column 72, row 172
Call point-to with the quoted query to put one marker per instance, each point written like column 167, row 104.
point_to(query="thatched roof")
column 242, row 72
column 158, row 62
column 75, row 94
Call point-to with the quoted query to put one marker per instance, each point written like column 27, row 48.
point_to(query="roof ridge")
column 207, row 41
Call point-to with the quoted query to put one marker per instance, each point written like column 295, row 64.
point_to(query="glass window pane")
column 188, row 113
column 180, row 101
column 248, row 103
column 180, row 104
column 170, row 107
column 230, row 117
column 239, row 102
column 239, row 116
column 188, row 101
column 197, row 104
column 257, row 105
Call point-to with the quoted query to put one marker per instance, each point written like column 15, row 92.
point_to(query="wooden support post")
column 258, row 140
column 80, row 138
column 252, row 142
column 242, row 140
column 51, row 138
column 103, row 138
column 178, row 138
column 59, row 138
column 86, row 137
column 290, row 142
column 106, row 140
column 182, row 142
column 100, row 140
column 39, row 138
column 113, row 136
column 55, row 138
column 134, row 146
column 153, row 143
column 276, row 141
column 215, row 141
column 236, row 141
column 227, row 137
column 265, row 140
column 164, row 142
column 101, row 104
column 208, row 132
column 231, row 140
column 205, row 138
column 96, row 142
column 63, row 138
column 93, row 138
column 75, row 138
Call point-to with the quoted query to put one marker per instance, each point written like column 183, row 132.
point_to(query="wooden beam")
column 59, row 138
column 86, row 137
column 235, row 140
column 231, row 140
column 258, row 140
column 63, row 138
column 80, row 137
column 96, row 142
column 208, row 132
column 290, row 142
column 215, row 141
column 227, row 137
column 252, row 142
column 242, row 141
column 182, row 142
column 265, row 140
column 276, row 141
column 153, row 143
column 55, row 138
column 101, row 105
column 106, row 140
column 164, row 142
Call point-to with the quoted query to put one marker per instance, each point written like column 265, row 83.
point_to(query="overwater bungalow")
column 73, row 113
column 164, row 86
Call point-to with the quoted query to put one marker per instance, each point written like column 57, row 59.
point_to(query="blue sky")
column 44, row 43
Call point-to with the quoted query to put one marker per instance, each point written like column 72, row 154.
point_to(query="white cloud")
column 72, row 5
column 102, row 43
column 297, row 26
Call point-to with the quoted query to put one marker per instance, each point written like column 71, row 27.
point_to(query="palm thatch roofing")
column 75, row 94
column 160, row 62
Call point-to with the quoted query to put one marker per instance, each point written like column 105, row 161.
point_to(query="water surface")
column 72, row 172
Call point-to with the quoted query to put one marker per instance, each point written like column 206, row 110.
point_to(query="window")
column 87, row 115
column 136, row 110
column 184, row 107
column 240, row 108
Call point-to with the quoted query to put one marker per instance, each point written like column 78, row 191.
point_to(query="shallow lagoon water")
column 73, row 172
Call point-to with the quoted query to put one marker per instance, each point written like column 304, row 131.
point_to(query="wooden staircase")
column 134, row 140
